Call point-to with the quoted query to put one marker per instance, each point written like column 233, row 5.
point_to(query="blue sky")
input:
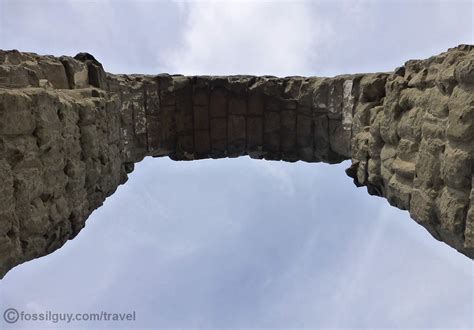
column 239, row 242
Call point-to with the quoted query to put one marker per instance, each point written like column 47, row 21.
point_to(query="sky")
column 240, row 243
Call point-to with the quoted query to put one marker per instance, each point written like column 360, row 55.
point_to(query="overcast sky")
column 240, row 242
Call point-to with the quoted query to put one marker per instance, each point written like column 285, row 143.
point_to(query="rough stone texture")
column 70, row 133
column 413, row 143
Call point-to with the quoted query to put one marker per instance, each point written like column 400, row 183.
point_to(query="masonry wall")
column 417, row 148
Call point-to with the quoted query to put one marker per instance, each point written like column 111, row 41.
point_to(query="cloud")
column 248, row 38
column 321, row 38
column 124, row 35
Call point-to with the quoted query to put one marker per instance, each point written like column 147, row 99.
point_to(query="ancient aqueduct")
column 70, row 133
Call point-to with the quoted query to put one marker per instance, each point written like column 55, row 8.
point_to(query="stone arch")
column 70, row 133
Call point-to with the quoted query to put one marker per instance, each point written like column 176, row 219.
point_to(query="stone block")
column 428, row 168
column 399, row 192
column 254, row 133
column 76, row 72
column 55, row 73
column 461, row 123
column 372, row 87
column 339, row 138
column 185, row 145
column 201, row 117
column 464, row 71
column 453, row 206
column 200, row 97
column 237, row 106
column 457, row 168
column 403, row 168
column 321, row 90
column 218, row 103
column 335, row 96
column 422, row 208
column 6, row 188
column 271, row 122
column 236, row 136
column 16, row 117
column 255, row 104
column 218, row 129
column 321, row 137
column 202, row 144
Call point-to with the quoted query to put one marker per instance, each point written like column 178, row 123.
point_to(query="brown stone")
column 236, row 137
column 201, row 117
column 237, row 106
column 255, row 104
column 202, row 144
column 200, row 97
column 218, row 106
column 254, row 133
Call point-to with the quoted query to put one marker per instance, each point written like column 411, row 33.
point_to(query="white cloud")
column 248, row 38
column 280, row 174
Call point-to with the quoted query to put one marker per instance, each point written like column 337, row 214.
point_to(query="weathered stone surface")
column 70, row 133
column 427, row 144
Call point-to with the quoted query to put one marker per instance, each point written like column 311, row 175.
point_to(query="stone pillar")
column 413, row 143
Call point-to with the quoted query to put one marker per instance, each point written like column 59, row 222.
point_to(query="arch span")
column 70, row 133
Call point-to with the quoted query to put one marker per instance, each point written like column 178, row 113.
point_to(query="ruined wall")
column 70, row 133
